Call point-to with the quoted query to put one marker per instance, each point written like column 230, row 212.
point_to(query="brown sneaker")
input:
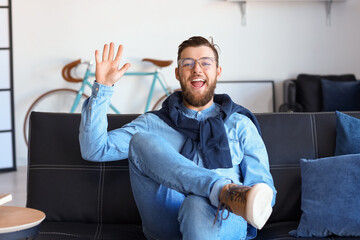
column 251, row 203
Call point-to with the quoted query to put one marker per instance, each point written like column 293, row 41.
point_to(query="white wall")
column 281, row 40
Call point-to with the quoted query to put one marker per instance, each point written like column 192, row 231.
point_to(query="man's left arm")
column 255, row 164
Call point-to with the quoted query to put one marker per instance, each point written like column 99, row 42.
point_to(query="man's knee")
column 139, row 139
column 145, row 147
column 138, row 142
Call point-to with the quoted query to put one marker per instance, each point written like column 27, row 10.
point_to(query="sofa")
column 88, row 200
column 313, row 93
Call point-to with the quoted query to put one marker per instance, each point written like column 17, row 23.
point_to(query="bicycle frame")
column 88, row 74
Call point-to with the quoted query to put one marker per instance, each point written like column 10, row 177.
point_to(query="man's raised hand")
column 107, row 70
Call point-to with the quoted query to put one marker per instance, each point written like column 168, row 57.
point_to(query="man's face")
column 198, row 82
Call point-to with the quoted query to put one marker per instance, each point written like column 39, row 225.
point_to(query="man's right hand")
column 107, row 70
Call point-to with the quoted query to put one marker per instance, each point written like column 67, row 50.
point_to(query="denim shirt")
column 248, row 152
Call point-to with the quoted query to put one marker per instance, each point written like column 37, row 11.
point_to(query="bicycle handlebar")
column 66, row 71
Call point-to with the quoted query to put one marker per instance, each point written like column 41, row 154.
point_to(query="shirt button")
column 97, row 89
column 90, row 108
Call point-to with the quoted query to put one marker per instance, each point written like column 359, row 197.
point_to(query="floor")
column 14, row 182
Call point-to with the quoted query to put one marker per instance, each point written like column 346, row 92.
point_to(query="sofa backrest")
column 68, row 188
column 288, row 138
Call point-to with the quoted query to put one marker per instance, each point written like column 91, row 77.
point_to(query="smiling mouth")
column 198, row 83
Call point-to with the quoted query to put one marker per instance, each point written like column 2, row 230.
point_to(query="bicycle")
column 70, row 100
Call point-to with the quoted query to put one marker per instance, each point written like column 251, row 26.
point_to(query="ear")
column 218, row 72
column 177, row 74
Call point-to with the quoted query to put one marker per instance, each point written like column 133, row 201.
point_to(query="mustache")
column 198, row 76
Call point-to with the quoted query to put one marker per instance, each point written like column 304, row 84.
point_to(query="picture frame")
column 256, row 95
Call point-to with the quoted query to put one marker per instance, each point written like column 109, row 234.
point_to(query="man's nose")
column 197, row 67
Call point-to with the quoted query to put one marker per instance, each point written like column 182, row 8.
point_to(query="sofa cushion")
column 340, row 96
column 280, row 230
column 330, row 200
column 309, row 93
column 347, row 134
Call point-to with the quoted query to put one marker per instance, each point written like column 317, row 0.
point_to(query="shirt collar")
column 211, row 111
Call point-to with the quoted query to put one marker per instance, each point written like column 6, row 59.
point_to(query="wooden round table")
column 19, row 222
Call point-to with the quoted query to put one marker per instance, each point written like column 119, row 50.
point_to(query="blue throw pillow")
column 347, row 134
column 340, row 96
column 308, row 89
column 330, row 198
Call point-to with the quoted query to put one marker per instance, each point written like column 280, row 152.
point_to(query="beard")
column 198, row 100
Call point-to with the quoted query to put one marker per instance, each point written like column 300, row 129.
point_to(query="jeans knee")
column 135, row 144
column 145, row 140
column 139, row 141
column 144, row 147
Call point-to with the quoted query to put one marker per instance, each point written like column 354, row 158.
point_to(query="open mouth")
column 198, row 83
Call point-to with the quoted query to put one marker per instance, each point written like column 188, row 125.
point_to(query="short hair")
column 198, row 41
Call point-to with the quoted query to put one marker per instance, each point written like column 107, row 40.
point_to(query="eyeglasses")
column 189, row 63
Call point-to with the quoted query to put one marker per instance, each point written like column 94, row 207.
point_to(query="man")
column 198, row 167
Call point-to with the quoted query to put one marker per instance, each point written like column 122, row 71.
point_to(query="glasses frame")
column 181, row 60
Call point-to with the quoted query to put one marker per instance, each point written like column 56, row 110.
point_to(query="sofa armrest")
column 289, row 91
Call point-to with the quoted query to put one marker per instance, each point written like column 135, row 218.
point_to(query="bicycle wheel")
column 159, row 102
column 57, row 100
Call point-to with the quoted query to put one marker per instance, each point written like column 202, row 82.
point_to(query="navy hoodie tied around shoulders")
column 209, row 134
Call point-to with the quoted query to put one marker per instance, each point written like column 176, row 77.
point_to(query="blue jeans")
column 172, row 194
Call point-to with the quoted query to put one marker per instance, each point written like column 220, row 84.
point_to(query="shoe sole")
column 258, row 205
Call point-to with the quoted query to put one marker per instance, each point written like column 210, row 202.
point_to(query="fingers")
column 105, row 52
column 124, row 68
column 108, row 54
column 97, row 57
column 111, row 52
column 119, row 53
